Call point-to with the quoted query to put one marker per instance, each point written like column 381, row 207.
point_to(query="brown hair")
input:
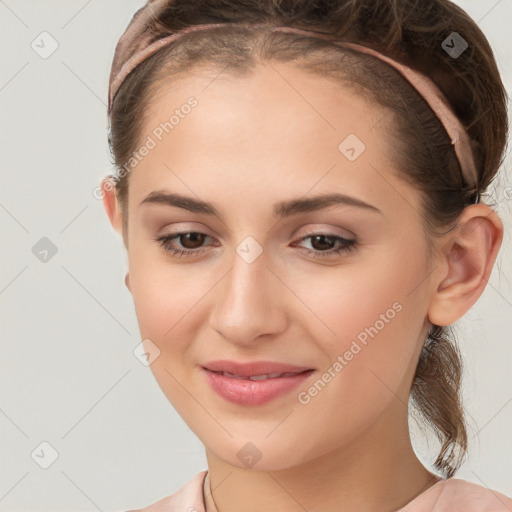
column 410, row 31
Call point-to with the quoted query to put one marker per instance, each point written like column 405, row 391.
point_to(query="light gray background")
column 68, row 374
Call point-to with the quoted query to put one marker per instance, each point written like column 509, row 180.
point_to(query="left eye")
column 345, row 244
column 196, row 239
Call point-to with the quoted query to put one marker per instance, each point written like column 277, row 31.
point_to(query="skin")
column 253, row 141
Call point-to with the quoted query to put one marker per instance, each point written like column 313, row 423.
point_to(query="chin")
column 259, row 455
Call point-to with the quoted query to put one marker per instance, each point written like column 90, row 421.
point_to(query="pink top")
column 451, row 495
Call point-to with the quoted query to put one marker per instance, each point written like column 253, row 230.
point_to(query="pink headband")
column 135, row 46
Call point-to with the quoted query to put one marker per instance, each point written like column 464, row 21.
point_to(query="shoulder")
column 188, row 498
column 455, row 494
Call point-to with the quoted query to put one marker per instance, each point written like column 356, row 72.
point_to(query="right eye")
column 193, row 238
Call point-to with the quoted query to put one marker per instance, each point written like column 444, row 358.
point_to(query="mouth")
column 254, row 368
column 263, row 376
column 250, row 388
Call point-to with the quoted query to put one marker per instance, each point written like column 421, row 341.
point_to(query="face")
column 266, row 273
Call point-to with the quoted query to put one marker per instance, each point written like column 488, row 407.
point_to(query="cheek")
column 370, row 356
column 167, row 303
column 349, row 300
column 371, row 316
column 158, row 291
column 165, row 299
column 172, row 303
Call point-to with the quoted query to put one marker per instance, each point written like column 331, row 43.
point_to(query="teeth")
column 266, row 376
column 232, row 375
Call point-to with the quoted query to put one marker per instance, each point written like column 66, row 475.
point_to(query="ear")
column 111, row 204
column 466, row 260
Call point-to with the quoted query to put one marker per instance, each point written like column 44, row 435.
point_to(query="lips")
column 255, row 383
column 254, row 369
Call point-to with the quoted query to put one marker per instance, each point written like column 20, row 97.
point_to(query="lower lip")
column 253, row 392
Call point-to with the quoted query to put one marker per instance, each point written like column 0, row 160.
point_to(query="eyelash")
column 347, row 245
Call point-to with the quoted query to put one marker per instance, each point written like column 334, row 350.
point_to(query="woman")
column 299, row 190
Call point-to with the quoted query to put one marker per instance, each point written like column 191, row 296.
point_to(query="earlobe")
column 111, row 204
column 127, row 281
column 465, row 264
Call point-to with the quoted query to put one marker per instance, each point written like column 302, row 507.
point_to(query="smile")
column 254, row 389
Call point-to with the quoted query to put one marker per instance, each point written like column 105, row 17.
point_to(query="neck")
column 376, row 472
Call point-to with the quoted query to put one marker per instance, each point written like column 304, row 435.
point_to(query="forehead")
column 277, row 127
column 272, row 96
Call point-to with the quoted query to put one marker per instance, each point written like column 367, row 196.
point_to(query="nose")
column 250, row 302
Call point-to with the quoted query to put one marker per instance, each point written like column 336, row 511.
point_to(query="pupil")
column 193, row 237
column 322, row 246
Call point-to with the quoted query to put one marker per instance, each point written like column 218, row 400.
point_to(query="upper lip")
column 253, row 368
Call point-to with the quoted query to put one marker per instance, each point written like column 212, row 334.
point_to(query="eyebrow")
column 281, row 210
